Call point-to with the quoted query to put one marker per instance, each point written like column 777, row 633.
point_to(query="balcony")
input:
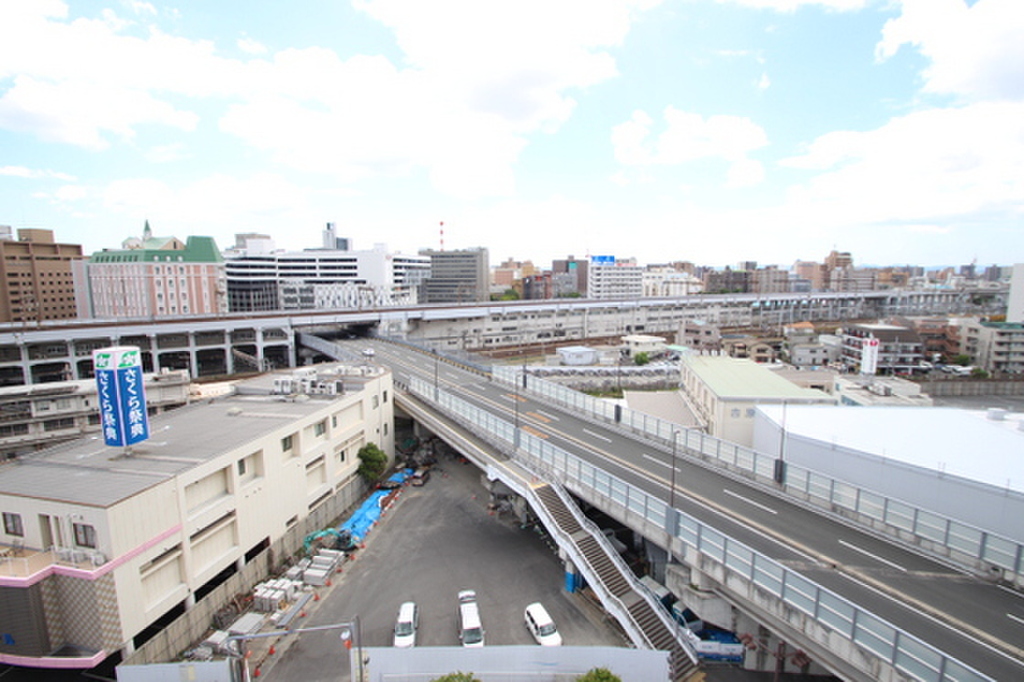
column 21, row 562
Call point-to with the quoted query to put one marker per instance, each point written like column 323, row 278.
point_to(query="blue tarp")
column 360, row 523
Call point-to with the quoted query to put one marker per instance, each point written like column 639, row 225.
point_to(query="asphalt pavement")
column 436, row 540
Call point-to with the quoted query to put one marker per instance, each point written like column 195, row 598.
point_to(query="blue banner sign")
column 122, row 395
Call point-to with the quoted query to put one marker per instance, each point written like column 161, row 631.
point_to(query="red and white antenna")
column 442, row 235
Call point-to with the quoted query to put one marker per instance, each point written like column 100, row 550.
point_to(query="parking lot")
column 436, row 540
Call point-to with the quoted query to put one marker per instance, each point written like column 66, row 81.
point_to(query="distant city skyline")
column 707, row 131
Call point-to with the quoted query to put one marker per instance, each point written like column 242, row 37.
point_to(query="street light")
column 349, row 633
column 672, row 488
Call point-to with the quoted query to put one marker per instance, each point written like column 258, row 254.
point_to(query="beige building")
column 36, row 282
column 724, row 392
column 98, row 544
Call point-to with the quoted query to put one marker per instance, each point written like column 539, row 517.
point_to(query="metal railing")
column 903, row 651
column 950, row 537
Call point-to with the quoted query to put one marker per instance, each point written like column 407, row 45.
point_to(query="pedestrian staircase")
column 648, row 624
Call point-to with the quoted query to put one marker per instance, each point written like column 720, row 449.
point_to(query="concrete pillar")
column 154, row 351
column 127, row 649
column 190, row 601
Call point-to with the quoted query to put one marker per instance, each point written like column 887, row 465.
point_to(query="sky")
column 713, row 131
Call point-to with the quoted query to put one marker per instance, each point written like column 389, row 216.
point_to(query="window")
column 385, row 396
column 241, row 467
column 12, row 524
column 85, row 535
column 320, row 428
column 286, row 443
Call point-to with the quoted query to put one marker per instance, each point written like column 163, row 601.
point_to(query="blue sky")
column 702, row 130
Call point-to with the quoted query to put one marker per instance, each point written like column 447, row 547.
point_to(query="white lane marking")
column 657, row 461
column 1015, row 593
column 749, row 501
column 549, row 416
column 1016, row 618
column 924, row 614
column 597, row 435
column 866, row 553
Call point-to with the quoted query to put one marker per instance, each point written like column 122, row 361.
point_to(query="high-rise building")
column 610, row 277
column 457, row 276
column 36, row 279
column 155, row 277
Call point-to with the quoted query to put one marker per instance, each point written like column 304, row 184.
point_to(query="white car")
column 540, row 625
column 405, row 626
column 471, row 630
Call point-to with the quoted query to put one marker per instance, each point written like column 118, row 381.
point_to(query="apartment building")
column 154, row 277
column 881, row 349
column 99, row 543
column 36, row 279
column 996, row 347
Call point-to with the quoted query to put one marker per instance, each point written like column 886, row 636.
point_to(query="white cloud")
column 251, row 46
column 793, row 5
column 75, row 113
column 931, row 166
column 974, row 51
column 688, row 137
column 764, row 82
column 34, row 174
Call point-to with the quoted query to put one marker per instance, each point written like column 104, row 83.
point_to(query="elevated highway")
column 866, row 606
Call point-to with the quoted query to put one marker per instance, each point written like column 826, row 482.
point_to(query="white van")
column 471, row 630
column 405, row 626
column 540, row 625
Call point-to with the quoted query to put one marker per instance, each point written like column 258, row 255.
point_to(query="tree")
column 963, row 360
column 599, row 675
column 641, row 358
column 456, row 677
column 979, row 373
column 372, row 462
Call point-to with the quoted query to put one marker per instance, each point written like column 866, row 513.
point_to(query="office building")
column 261, row 277
column 570, row 276
column 155, row 277
column 36, row 278
column 100, row 544
column 614, row 278
column 461, row 276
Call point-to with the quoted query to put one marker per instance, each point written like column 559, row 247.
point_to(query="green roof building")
column 157, row 277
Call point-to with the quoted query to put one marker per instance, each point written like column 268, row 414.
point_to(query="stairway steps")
column 610, row 575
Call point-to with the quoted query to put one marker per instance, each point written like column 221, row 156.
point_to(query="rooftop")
column 964, row 443
column 741, row 378
column 87, row 472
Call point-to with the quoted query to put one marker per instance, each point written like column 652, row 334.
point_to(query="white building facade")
column 608, row 277
column 99, row 544
column 260, row 277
